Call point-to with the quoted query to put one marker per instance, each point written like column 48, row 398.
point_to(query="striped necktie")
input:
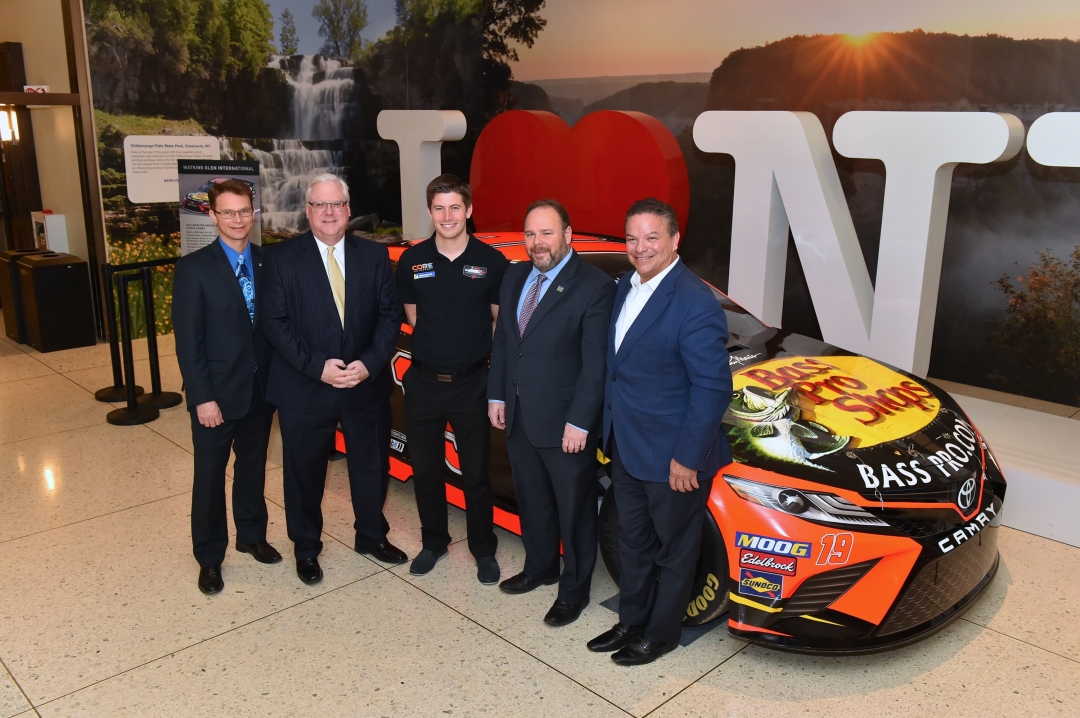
column 531, row 300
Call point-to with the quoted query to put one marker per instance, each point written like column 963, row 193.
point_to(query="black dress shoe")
column 562, row 613
column 262, row 551
column 523, row 583
column 385, row 552
column 210, row 580
column 640, row 651
column 619, row 635
column 309, row 570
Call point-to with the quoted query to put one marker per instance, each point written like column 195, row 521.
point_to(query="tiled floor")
column 100, row 615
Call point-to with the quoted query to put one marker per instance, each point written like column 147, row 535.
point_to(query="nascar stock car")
column 860, row 512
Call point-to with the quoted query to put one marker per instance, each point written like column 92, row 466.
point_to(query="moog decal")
column 775, row 546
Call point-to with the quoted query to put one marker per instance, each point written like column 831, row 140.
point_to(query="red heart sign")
column 596, row 169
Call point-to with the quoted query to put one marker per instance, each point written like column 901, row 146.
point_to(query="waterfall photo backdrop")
column 297, row 88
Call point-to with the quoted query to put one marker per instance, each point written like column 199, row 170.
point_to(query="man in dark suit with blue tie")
column 332, row 316
column 224, row 359
column 668, row 386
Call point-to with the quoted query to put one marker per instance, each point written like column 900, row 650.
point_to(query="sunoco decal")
column 775, row 546
column 761, row 584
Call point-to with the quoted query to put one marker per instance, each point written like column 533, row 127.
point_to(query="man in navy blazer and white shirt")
column 331, row 312
column 668, row 385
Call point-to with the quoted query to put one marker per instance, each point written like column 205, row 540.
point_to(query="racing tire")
column 709, row 596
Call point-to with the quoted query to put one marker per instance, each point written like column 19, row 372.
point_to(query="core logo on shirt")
column 474, row 272
column 423, row 267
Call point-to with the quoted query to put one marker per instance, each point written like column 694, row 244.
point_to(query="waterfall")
column 321, row 101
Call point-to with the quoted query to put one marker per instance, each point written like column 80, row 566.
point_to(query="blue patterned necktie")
column 246, row 286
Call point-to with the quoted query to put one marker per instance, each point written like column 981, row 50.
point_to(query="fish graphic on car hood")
column 769, row 424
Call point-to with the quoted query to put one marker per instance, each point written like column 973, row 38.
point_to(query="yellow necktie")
column 337, row 283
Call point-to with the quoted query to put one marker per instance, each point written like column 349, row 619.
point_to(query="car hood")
column 806, row 409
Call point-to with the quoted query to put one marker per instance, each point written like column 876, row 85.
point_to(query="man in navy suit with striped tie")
column 332, row 316
column 224, row 359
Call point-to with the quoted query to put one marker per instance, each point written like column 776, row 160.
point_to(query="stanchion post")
column 116, row 392
column 133, row 413
column 157, row 397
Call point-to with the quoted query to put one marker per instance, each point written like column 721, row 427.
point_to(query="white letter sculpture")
column 419, row 135
column 785, row 176
column 1054, row 139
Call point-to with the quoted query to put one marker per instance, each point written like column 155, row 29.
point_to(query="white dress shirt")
column 339, row 255
column 639, row 295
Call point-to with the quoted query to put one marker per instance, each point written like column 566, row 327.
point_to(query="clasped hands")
column 340, row 375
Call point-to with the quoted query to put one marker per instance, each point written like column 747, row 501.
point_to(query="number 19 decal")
column 835, row 549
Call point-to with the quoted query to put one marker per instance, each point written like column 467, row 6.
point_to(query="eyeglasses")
column 228, row 214
column 328, row 206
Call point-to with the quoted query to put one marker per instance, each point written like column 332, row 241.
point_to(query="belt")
column 451, row 376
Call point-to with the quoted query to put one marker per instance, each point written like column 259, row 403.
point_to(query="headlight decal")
column 810, row 505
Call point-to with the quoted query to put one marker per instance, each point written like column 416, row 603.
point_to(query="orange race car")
column 860, row 512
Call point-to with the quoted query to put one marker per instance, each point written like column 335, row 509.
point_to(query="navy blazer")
column 669, row 384
column 301, row 321
column 218, row 347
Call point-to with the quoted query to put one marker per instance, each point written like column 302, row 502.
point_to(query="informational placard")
column 150, row 163
column 195, row 178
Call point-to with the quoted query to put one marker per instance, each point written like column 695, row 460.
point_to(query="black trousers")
column 556, row 495
column 429, row 405
column 248, row 437
column 307, row 438
column 659, row 543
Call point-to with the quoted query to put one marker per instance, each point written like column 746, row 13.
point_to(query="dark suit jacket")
column 669, row 384
column 557, row 367
column 301, row 321
column 217, row 346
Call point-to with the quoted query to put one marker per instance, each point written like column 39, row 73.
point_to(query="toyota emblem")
column 966, row 497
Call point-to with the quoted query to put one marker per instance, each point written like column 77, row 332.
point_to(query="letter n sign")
column 785, row 177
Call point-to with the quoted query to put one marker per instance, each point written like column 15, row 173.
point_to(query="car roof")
column 512, row 245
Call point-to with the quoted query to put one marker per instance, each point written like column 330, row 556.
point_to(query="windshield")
column 741, row 324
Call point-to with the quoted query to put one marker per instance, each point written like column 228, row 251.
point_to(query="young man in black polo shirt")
column 449, row 285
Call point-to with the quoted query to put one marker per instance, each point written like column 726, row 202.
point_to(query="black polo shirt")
column 453, row 301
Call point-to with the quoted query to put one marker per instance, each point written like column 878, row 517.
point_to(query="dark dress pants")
column 556, row 496
column 307, row 438
column 429, row 405
column 248, row 437
column 659, row 543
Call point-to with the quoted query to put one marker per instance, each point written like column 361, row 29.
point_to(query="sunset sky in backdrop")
column 587, row 38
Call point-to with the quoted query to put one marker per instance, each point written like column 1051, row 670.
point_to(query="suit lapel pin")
column 559, row 288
